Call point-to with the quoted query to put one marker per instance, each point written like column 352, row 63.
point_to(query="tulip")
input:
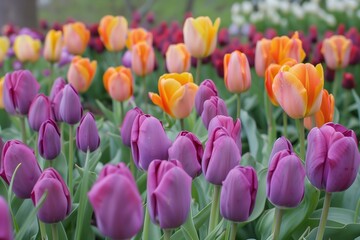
column 206, row 90
column 142, row 59
column 57, row 204
column 126, row 127
column 188, row 150
column 262, row 56
column 55, row 105
column 6, row 231
column 57, row 86
column 298, row 89
column 221, row 154
column 237, row 73
column 238, row 194
column 126, row 59
column 348, row 81
column 168, row 193
column 138, row 35
column 326, row 112
column 13, row 154
column 49, row 142
column 148, row 129
column 39, row 111
column 27, row 48
column 213, row 107
column 53, row 46
column 336, row 51
column 87, row 136
column 112, row 31
column 4, row 47
column 178, row 58
column 20, row 88
column 70, row 110
column 283, row 48
column 76, row 37
column 118, row 83
column 282, row 143
column 81, row 73
column 332, row 157
column 2, row 81
column 177, row 94
column 115, row 196
column 200, row 36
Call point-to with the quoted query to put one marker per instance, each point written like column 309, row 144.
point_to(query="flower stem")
column 270, row 122
column 214, row 214
column 278, row 216
column 198, row 66
column 233, row 231
column 71, row 159
column 324, row 215
column 145, row 234
column 167, row 234
column 337, row 80
column 285, row 123
column 42, row 230
column 122, row 113
column 357, row 209
column 300, row 127
column 182, row 124
column 23, row 128
column 145, row 96
column 238, row 109
column 54, row 231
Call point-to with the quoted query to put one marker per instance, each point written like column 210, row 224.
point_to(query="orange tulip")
column 200, row 36
column 237, row 73
column 177, row 94
column 27, row 48
column 118, row 83
column 81, row 73
column 178, row 58
column 53, row 46
column 326, row 112
column 4, row 47
column 142, row 59
column 112, row 31
column 298, row 89
column 336, row 51
column 1, row 93
column 284, row 47
column 262, row 56
column 76, row 37
column 138, row 35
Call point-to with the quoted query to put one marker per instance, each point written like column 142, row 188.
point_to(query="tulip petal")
column 182, row 101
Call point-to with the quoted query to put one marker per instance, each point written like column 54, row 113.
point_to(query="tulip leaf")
column 219, row 229
column 337, row 215
column 349, row 231
column 357, row 100
column 188, row 228
column 108, row 113
column 60, row 164
column 252, row 135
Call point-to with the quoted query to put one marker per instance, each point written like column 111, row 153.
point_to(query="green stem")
column 132, row 165
column 313, row 121
column 36, row 146
column 23, row 128
column 345, row 106
column 356, row 214
column 300, row 127
column 51, row 80
column 42, row 230
column 145, row 234
column 324, row 215
column 71, row 159
column 233, row 231
column 198, row 66
column 238, row 109
column 285, row 123
column 214, row 214
column 122, row 113
column 167, row 234
column 182, row 124
column 54, row 231
column 145, row 96
column 270, row 122
column 278, row 216
column 337, row 81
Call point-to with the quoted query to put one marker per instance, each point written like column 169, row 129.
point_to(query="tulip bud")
column 76, row 37
column 118, row 82
column 238, row 194
column 13, row 154
column 55, row 105
column 116, row 187
column 125, row 131
column 188, row 150
column 70, row 105
column 87, row 136
column 348, row 81
column 206, row 90
column 81, row 73
column 178, row 58
column 6, row 231
column 168, row 185
column 142, row 59
column 58, row 85
column 57, row 194
column 39, row 112
column 332, row 157
column 138, row 35
column 27, row 48
column 282, row 143
column 283, row 48
column 20, row 88
column 112, row 31
column 126, row 59
column 336, row 50
column 262, row 56
column 213, row 107
column 49, row 142
column 53, row 46
column 148, row 129
column 4, row 47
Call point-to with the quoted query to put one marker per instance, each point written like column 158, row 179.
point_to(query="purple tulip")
column 206, row 90
column 87, row 135
column 332, row 157
column 70, row 105
column 188, row 150
column 117, row 202
column 6, row 231
column 127, row 124
column 14, row 153
column 55, row 105
column 49, row 142
column 57, row 204
column 59, row 84
column 148, row 141
column 126, row 59
column 39, row 112
column 168, row 193
column 20, row 88
column 238, row 194
column 65, row 58
column 282, row 143
column 220, row 156
column 213, row 107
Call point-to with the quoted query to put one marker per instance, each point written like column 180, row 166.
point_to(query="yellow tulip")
column 237, row 73
column 53, row 46
column 81, row 73
column 112, row 31
column 336, row 51
column 4, row 47
column 142, row 59
column 27, row 48
column 76, row 37
column 138, row 35
column 178, row 58
column 177, row 94
column 1, row 93
column 118, row 83
column 326, row 112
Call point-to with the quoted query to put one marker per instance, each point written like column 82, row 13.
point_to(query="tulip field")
column 135, row 129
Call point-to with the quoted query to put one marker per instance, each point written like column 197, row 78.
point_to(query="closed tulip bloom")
column 200, row 36
column 137, row 35
column 262, row 56
column 4, row 47
column 213, row 107
column 177, row 94
column 125, row 131
column 126, row 59
column 298, row 89
column 283, row 48
column 55, row 105
column 178, row 58
column 2, row 81
column 237, row 73
column 6, row 230
column 14, row 153
column 142, row 59
column 112, row 31
column 81, row 73
column 148, row 129
column 20, row 88
column 336, row 51
column 168, row 193
column 39, row 112
column 282, row 143
column 49, row 142
column 87, row 135
column 118, row 83
column 206, row 90
column 238, row 194
column 221, row 154
column 57, row 86
column 76, row 37
column 70, row 110
column 188, row 150
column 332, row 157
column 115, row 196
column 26, row 48
column 57, row 204
column 53, row 46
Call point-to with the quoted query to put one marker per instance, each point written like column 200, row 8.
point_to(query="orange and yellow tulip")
column 262, row 56
column 53, row 46
column 336, row 51
column 27, row 48
column 1, row 93
column 177, row 94
column 112, row 31
column 118, row 83
column 284, row 47
column 200, row 36
column 4, row 47
column 298, row 89
column 81, row 73
column 142, row 59
column 178, row 58
column 138, row 35
column 237, row 73
column 76, row 37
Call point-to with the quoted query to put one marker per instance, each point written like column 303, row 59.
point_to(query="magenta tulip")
column 6, row 231
column 39, row 112
column 127, row 124
column 70, row 105
column 206, row 90
column 49, row 142
column 211, row 108
column 87, row 135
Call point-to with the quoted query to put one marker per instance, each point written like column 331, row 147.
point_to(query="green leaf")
column 349, row 231
column 108, row 113
column 188, row 228
column 357, row 100
column 219, row 229
column 336, row 215
column 252, row 135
